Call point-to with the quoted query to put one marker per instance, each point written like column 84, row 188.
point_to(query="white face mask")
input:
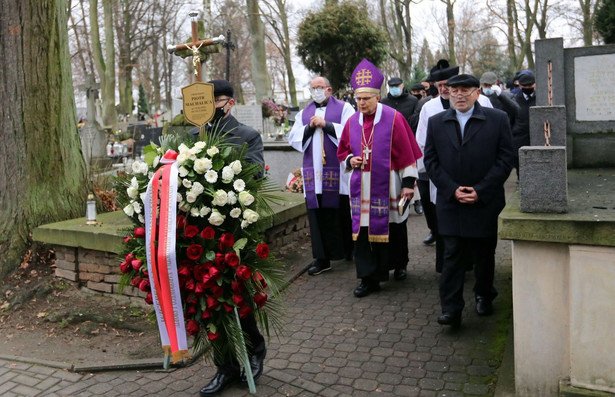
column 318, row 95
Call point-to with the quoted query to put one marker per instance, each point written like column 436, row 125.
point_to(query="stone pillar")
column 550, row 50
column 543, row 179
column 556, row 116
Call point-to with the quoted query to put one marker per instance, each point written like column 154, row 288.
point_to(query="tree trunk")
column 125, row 64
column 510, row 22
column 260, row 77
column 44, row 177
column 450, row 21
column 587, row 22
column 287, row 55
column 155, row 78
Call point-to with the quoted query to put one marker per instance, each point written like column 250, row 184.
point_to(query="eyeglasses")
column 364, row 99
column 317, row 89
column 459, row 94
column 224, row 99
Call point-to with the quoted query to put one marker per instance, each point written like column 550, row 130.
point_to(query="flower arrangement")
column 223, row 265
column 278, row 113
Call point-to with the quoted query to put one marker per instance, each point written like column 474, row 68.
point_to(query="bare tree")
column 399, row 33
column 450, row 23
column 260, row 77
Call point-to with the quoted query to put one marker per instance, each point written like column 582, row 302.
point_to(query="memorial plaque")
column 198, row 99
column 594, row 85
column 250, row 115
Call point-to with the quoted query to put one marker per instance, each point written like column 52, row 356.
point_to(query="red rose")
column 181, row 221
column 136, row 281
column 145, row 272
column 245, row 311
column 227, row 308
column 191, row 310
column 212, row 303
column 266, row 168
column 191, row 231
column 129, row 257
column 208, row 233
column 237, row 286
column 217, row 291
column 127, row 239
column 192, row 299
column 124, row 267
column 227, row 240
column 238, row 299
column 139, row 232
column 136, row 264
column 194, row 251
column 212, row 336
column 192, row 327
column 199, row 271
column 148, row 299
column 205, row 315
column 214, row 273
column 199, row 289
column 260, row 299
column 144, row 285
column 232, row 259
column 219, row 260
column 184, row 272
column 243, row 272
column 262, row 250
column 260, row 279
column 189, row 285
column 207, row 280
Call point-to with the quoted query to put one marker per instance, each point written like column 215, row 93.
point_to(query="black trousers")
column 429, row 210
column 255, row 344
column 331, row 230
column 457, row 252
column 374, row 260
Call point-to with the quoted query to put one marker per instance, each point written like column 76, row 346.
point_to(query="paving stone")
column 365, row 384
column 474, row 389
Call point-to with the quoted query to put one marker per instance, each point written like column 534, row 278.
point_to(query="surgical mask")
column 395, row 91
column 318, row 95
column 487, row 91
column 528, row 91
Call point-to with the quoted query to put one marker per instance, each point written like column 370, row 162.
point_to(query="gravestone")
column 93, row 139
column 543, row 179
column 250, row 115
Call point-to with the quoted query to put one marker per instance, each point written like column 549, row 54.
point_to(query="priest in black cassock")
column 316, row 133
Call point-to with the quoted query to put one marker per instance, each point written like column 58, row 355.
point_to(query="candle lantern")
column 90, row 212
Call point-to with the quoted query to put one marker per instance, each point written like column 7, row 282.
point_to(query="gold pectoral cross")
column 366, row 153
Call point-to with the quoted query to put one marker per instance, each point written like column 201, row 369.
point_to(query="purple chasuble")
column 331, row 167
column 380, row 160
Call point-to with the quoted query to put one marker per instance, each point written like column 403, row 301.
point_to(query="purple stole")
column 331, row 168
column 380, row 168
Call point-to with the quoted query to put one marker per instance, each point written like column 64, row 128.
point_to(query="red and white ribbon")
column 160, row 232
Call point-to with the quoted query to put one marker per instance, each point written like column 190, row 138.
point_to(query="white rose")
column 183, row 148
column 220, row 198
column 232, row 198
column 182, row 157
column 197, row 188
column 227, row 174
column 139, row 167
column 250, row 216
column 156, row 161
column 200, row 145
column 143, row 196
column 137, row 206
column 191, row 196
column 202, row 165
column 191, row 155
column 244, row 224
column 216, row 218
column 211, row 176
column 179, row 197
column 132, row 192
column 212, row 151
column 204, row 211
column 183, row 172
column 236, row 166
column 150, row 175
column 134, row 183
column 183, row 206
column 235, row 212
column 141, row 218
column 187, row 183
column 194, row 212
column 246, row 198
column 239, row 185
column 129, row 210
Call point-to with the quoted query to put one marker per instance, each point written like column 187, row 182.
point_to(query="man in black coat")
column 399, row 99
column 526, row 98
column 468, row 156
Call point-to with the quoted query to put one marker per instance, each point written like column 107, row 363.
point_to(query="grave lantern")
column 90, row 211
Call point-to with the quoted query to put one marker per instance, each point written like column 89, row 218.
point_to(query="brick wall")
column 100, row 271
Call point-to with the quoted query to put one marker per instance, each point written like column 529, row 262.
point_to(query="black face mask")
column 418, row 96
column 527, row 91
column 218, row 115
column 433, row 91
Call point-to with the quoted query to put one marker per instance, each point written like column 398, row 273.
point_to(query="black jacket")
column 521, row 125
column 483, row 160
column 506, row 103
column 404, row 104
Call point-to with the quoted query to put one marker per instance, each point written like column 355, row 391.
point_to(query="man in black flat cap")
column 468, row 156
column 399, row 99
column 226, row 124
column 418, row 90
column 526, row 98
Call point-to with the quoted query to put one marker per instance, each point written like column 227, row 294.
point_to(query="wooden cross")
column 366, row 153
column 195, row 45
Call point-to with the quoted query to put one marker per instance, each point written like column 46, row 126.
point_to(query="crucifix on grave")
column 92, row 137
column 198, row 97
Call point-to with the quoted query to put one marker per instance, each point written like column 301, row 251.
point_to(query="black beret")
column 527, row 79
column 395, row 81
column 222, row 87
column 418, row 87
column 463, row 80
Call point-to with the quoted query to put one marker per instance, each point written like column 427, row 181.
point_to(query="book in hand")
column 402, row 206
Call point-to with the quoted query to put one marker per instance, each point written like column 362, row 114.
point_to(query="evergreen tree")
column 143, row 106
column 605, row 21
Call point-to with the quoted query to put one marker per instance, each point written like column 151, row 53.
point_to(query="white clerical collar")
column 376, row 117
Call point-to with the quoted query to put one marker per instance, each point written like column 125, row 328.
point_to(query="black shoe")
column 366, row 288
column 452, row 319
column 218, row 383
column 256, row 365
column 418, row 207
column 400, row 274
column 349, row 257
column 484, row 307
column 430, row 239
column 319, row 267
